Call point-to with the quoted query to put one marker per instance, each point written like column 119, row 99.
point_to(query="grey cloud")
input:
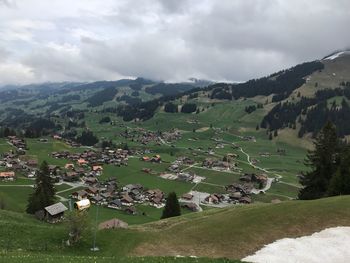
column 174, row 40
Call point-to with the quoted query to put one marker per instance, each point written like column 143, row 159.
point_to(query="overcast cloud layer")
column 172, row 40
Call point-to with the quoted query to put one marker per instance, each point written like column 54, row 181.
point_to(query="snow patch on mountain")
column 336, row 55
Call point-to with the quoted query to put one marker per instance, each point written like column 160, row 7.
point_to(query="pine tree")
column 340, row 182
column 44, row 191
column 172, row 207
column 323, row 161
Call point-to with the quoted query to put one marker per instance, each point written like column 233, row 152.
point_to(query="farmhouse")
column 130, row 210
column 115, row 204
column 8, row 176
column 80, row 195
column 54, row 213
column 187, row 196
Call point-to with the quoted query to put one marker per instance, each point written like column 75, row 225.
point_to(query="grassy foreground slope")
column 232, row 232
column 238, row 232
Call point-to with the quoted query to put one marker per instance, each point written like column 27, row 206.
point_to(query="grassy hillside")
column 93, row 259
column 232, row 233
column 238, row 232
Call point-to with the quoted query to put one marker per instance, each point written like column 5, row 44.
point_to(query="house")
column 130, row 210
column 113, row 224
column 97, row 168
column 245, row 200
column 32, row 163
column 156, row 159
column 96, row 199
column 212, row 199
column 69, row 166
column 115, row 204
column 126, row 200
column 54, row 213
column 80, row 195
column 82, row 162
column 8, row 176
column 92, row 191
column 53, row 168
column 187, row 197
column 71, row 177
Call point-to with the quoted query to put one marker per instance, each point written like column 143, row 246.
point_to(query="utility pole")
column 94, row 248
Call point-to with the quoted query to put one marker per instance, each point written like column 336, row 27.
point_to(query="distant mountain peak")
column 337, row 54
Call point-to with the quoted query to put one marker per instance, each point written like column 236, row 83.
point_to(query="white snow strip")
column 334, row 56
column 330, row 245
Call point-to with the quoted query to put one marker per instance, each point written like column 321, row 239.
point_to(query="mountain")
column 56, row 99
column 301, row 98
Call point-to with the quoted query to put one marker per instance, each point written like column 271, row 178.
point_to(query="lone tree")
column 324, row 161
column 44, row 191
column 78, row 224
column 172, row 207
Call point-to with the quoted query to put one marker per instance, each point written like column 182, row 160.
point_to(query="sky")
column 170, row 40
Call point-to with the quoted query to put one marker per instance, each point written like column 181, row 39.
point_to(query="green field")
column 231, row 232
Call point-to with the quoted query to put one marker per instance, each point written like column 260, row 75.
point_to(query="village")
column 83, row 171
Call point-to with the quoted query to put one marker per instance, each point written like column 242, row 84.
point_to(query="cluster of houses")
column 107, row 194
column 117, row 157
column 176, row 165
column 256, row 179
column 19, row 143
column 13, row 163
column 154, row 159
column 218, row 164
column 183, row 176
column 145, row 137
column 237, row 194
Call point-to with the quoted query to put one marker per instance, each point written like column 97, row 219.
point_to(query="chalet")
column 92, row 191
column 212, row 199
column 187, row 197
column 80, row 195
column 115, row 204
column 82, row 162
column 245, row 200
column 156, row 159
column 54, row 213
column 126, row 200
column 145, row 159
column 235, row 196
column 69, row 166
column 7, row 176
column 106, row 195
column 71, row 177
column 91, row 181
column 130, row 210
column 32, row 163
column 53, row 168
column 96, row 199
column 113, row 224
